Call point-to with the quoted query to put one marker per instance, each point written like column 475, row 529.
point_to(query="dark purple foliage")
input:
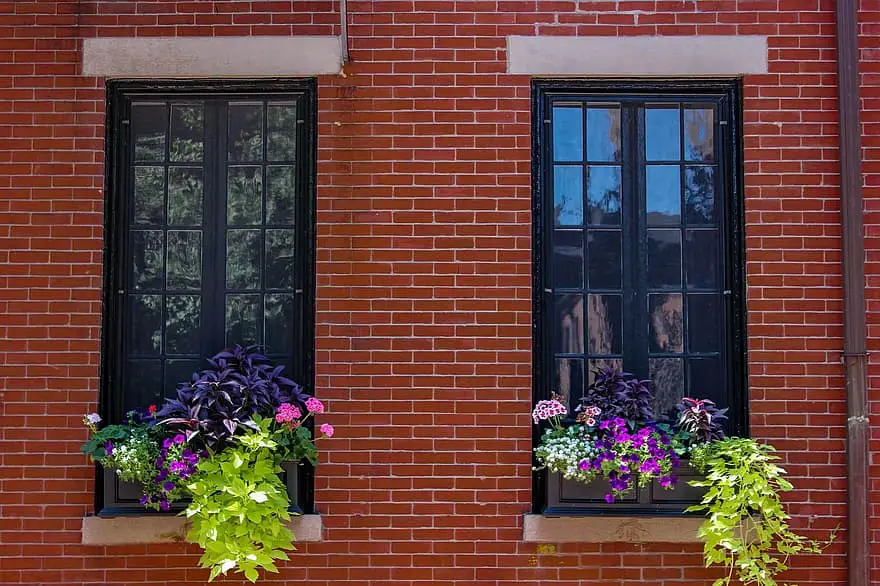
column 620, row 394
column 239, row 383
column 702, row 419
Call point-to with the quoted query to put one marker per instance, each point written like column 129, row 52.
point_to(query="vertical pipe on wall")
column 853, row 248
column 343, row 29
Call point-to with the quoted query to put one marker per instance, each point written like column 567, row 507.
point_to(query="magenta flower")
column 287, row 413
column 314, row 405
column 327, row 430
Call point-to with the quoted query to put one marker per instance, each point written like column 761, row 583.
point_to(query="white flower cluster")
column 547, row 409
column 563, row 453
column 133, row 459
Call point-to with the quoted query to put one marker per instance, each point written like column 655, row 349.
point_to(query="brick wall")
column 423, row 312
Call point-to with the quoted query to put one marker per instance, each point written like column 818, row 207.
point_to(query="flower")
column 327, row 430
column 609, row 498
column 179, row 438
column 287, row 413
column 108, row 448
column 590, row 422
column 547, row 409
column 166, row 443
column 314, row 405
column 151, row 409
column 92, row 419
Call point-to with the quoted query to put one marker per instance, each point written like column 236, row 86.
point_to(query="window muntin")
column 210, row 237
column 638, row 233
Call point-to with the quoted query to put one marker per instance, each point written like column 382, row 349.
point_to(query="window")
column 638, row 251
column 210, row 239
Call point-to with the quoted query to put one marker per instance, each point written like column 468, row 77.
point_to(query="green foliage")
column 239, row 506
column 130, row 450
column 746, row 527
column 295, row 444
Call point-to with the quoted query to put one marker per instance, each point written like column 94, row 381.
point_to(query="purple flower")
column 668, row 481
column 177, row 467
column 163, row 504
column 609, row 498
column 108, row 448
column 166, row 443
column 145, row 500
column 179, row 438
column 584, row 464
column 168, row 486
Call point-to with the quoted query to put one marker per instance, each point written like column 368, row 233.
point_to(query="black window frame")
column 120, row 94
column 548, row 489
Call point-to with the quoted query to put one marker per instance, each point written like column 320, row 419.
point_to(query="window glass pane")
column 242, row 319
column 707, row 379
column 280, row 195
column 187, row 133
column 243, row 259
column 185, row 188
column 605, row 319
column 603, row 194
column 704, row 323
column 184, row 264
column 279, row 323
column 244, row 196
column 569, row 379
column 568, row 259
column 664, row 258
column 666, row 323
column 183, row 315
column 245, row 132
column 702, row 259
column 149, row 195
column 603, row 135
column 668, row 377
column 699, row 134
column 569, row 324
column 662, row 134
column 179, row 371
column 143, row 384
column 699, row 195
column 663, row 195
column 605, row 268
column 148, row 124
column 568, row 134
column 145, row 324
column 599, row 363
column 279, row 259
column 568, row 195
column 281, row 140
column 148, row 259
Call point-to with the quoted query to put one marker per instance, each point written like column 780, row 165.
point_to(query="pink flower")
column 327, row 430
column 314, row 405
column 590, row 422
column 547, row 409
column 287, row 413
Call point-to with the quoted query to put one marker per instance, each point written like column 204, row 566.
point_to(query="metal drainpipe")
column 343, row 29
column 853, row 248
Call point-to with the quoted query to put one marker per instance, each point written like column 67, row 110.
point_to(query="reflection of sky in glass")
column 603, row 135
column 568, row 134
column 568, row 189
column 603, row 193
column 663, row 191
column 662, row 134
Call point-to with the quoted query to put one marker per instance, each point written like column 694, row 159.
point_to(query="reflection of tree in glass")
column 149, row 195
column 603, row 193
column 282, row 133
column 185, row 196
column 184, row 259
column 182, row 322
column 243, row 259
column 279, row 328
column 244, row 195
column 570, row 323
column 279, row 258
column 600, row 330
column 186, row 133
column 245, row 135
column 668, row 380
column 700, row 194
column 280, row 192
column 699, row 135
column 666, row 323
column 241, row 319
column 148, row 259
column 147, row 314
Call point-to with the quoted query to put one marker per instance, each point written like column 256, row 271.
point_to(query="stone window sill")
column 170, row 529
column 609, row 529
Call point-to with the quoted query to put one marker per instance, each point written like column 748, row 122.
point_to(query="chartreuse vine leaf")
column 239, row 519
column 746, row 526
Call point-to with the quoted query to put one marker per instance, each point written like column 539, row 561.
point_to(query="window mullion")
column 214, row 254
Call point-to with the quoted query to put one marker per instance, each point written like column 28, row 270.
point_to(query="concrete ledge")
column 210, row 56
column 170, row 529
column 608, row 529
column 685, row 56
